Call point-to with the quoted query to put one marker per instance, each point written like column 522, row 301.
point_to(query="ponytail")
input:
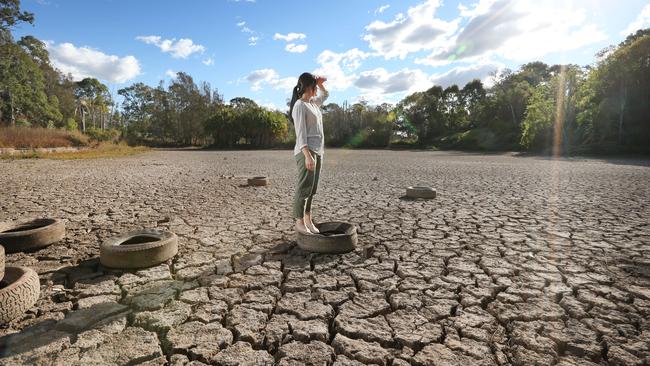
column 297, row 93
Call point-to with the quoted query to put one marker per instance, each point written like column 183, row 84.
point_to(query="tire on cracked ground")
column 257, row 181
column 335, row 237
column 28, row 235
column 138, row 249
column 420, row 192
column 19, row 291
column 2, row 262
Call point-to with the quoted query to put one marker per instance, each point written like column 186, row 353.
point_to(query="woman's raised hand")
column 320, row 80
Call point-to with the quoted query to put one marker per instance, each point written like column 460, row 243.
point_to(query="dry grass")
column 105, row 150
column 28, row 137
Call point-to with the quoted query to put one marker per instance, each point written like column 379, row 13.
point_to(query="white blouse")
column 308, row 122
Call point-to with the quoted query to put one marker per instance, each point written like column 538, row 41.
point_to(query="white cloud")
column 289, row 37
column 641, row 21
column 418, row 30
column 208, row 61
column 261, row 77
column 296, row 48
column 82, row 62
column 170, row 74
column 464, row 74
column 380, row 86
column 373, row 98
column 381, row 9
column 253, row 38
column 268, row 105
column 517, row 30
column 182, row 48
column 477, row 8
column 380, row 81
column 339, row 67
column 244, row 28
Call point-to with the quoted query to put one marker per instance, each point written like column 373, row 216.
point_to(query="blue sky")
column 374, row 50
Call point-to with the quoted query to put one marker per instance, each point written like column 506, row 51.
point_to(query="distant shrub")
column 77, row 138
column 71, row 125
column 404, row 144
column 22, row 122
column 476, row 139
column 100, row 135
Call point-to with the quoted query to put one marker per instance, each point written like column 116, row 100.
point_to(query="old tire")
column 257, row 181
column 138, row 249
column 2, row 262
column 19, row 290
column 335, row 237
column 420, row 192
column 27, row 235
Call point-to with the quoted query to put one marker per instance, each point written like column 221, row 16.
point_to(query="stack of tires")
column 19, row 286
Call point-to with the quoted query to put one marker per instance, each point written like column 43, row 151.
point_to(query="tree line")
column 185, row 113
column 603, row 107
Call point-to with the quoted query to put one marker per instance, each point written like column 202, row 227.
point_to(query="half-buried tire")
column 420, row 192
column 334, row 237
column 257, row 181
column 19, row 290
column 2, row 262
column 28, row 235
column 138, row 249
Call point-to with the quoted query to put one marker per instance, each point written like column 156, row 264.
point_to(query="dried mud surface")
column 518, row 261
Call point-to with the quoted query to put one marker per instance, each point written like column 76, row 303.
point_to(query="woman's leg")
column 303, row 190
column 308, row 218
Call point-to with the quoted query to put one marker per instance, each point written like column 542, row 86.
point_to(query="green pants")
column 307, row 184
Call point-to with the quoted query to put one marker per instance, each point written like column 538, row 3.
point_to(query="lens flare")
column 558, row 125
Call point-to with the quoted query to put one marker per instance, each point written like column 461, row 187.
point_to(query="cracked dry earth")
column 518, row 261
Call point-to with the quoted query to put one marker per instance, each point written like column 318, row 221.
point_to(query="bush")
column 99, row 135
column 71, row 125
column 476, row 139
column 22, row 122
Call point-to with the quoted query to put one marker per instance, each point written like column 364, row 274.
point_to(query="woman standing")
column 310, row 143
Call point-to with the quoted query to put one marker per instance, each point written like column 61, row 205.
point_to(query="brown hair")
column 306, row 80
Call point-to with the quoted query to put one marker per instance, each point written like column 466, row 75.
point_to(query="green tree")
column 474, row 98
column 537, row 125
column 10, row 15
column 220, row 126
column 94, row 96
column 57, row 86
column 550, row 120
column 613, row 106
column 137, row 107
column 22, row 89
